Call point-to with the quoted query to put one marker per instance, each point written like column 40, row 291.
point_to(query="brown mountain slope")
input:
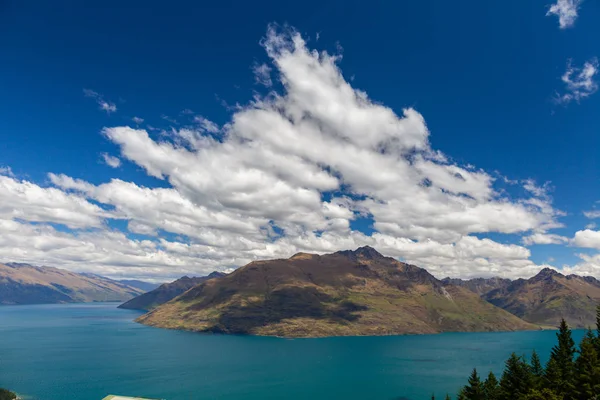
column 27, row 284
column 345, row 293
column 549, row 296
column 166, row 292
column 481, row 286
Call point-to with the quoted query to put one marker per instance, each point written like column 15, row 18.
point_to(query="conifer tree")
column 491, row 387
column 447, row 397
column 563, row 354
column 537, row 371
column 587, row 369
column 516, row 379
column 544, row 394
column 597, row 340
column 552, row 376
column 474, row 389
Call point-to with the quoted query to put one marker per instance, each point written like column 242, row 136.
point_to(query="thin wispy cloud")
column 111, row 161
column 206, row 124
column 580, row 82
column 7, row 171
column 138, row 120
column 262, row 74
column 104, row 105
column 566, row 11
column 592, row 214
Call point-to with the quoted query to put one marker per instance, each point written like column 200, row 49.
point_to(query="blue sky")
column 487, row 79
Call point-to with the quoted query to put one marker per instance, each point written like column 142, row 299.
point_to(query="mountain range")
column 28, row 284
column 549, row 296
column 358, row 292
column 345, row 293
column 166, row 292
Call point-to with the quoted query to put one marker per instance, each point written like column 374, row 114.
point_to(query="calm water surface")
column 86, row 351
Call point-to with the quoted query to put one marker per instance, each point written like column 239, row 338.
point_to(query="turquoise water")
column 86, row 351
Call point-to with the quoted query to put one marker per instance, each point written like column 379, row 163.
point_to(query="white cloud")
column 7, row 171
column 262, row 74
column 27, row 201
column 587, row 238
column 579, row 82
column 592, row 214
column 544, row 238
column 138, row 120
column 566, row 11
column 589, row 266
column 206, row 125
column 104, row 105
column 533, row 188
column 290, row 172
column 111, row 161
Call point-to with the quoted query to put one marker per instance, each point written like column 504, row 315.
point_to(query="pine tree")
column 552, row 376
column 474, row 389
column 537, row 371
column 516, row 379
column 491, row 387
column 563, row 353
column 587, row 369
column 544, row 394
column 597, row 339
column 447, row 397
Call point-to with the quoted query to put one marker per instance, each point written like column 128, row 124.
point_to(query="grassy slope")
column 351, row 293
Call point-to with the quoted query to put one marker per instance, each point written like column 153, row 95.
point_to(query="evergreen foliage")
column 474, row 389
column 516, row 379
column 491, row 387
column 571, row 373
column 537, row 371
column 7, row 395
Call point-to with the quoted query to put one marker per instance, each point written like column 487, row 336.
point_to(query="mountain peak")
column 366, row 252
column 546, row 273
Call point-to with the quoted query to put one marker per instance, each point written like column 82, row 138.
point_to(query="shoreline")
column 539, row 328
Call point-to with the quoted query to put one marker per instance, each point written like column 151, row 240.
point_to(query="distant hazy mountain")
column 166, row 292
column 345, row 293
column 142, row 285
column 549, row 296
column 28, row 284
column 481, row 286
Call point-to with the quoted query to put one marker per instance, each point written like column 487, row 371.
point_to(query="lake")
column 86, row 351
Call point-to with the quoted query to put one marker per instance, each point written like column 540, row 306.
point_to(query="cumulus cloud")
column 580, row 82
column 291, row 172
column 588, row 266
column 104, row 105
column 24, row 200
column 566, row 11
column 111, row 161
column 587, row 238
